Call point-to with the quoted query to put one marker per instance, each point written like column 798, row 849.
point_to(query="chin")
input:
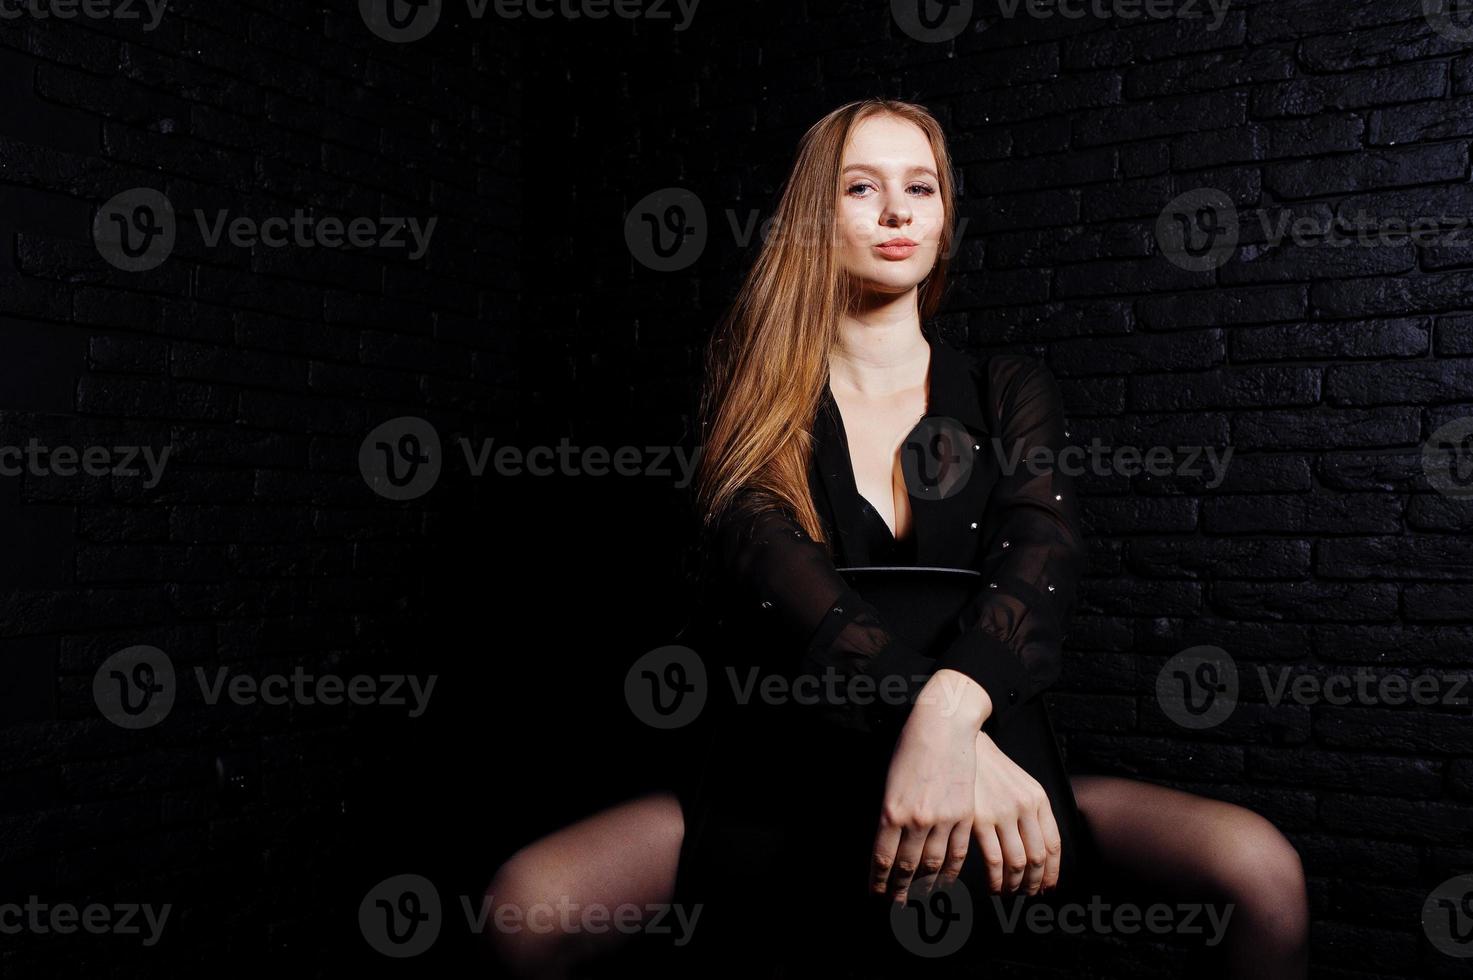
column 893, row 283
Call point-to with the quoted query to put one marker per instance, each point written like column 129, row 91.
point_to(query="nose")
column 897, row 211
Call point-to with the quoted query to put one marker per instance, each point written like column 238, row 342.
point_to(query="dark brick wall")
column 262, row 549
column 530, row 320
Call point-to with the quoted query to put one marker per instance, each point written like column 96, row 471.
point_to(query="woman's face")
column 889, row 194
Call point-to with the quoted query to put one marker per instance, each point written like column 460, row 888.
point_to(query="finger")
column 1033, row 850
column 985, row 834
column 956, row 853
column 882, row 860
column 1014, row 857
column 907, row 859
column 933, row 857
column 1054, row 842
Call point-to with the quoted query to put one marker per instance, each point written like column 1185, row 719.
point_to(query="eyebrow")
column 875, row 170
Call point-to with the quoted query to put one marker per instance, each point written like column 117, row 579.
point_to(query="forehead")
column 888, row 143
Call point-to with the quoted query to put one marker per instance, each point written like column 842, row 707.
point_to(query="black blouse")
column 977, row 502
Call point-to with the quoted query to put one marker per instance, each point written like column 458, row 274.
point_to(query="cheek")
column 855, row 219
column 935, row 220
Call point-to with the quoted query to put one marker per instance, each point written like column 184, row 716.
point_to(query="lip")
column 897, row 248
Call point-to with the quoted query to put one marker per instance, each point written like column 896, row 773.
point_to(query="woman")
column 821, row 375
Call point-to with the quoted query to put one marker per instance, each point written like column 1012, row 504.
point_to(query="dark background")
column 529, row 321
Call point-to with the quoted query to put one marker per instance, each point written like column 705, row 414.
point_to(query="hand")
column 930, row 793
column 1013, row 824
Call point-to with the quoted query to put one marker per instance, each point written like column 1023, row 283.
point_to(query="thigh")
column 1187, row 844
column 627, row 853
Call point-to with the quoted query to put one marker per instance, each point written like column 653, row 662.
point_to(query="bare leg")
column 1207, row 850
column 625, row 854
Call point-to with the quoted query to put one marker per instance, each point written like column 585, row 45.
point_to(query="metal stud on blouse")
column 974, row 525
column 1051, row 588
column 992, row 585
column 1005, row 544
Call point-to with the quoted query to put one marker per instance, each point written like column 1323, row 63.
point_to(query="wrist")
column 952, row 695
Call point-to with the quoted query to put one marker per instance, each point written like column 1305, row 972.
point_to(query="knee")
column 1261, row 873
column 519, row 889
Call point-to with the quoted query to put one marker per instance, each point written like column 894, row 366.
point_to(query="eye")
column 918, row 189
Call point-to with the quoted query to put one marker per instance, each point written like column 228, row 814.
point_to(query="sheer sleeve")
column 824, row 630
column 1012, row 629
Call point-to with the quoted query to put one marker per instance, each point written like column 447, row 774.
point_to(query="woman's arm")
column 1012, row 629
column 769, row 565
column 925, row 821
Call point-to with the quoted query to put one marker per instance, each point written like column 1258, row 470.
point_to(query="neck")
column 880, row 350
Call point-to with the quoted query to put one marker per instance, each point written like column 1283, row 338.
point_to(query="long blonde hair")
column 768, row 360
